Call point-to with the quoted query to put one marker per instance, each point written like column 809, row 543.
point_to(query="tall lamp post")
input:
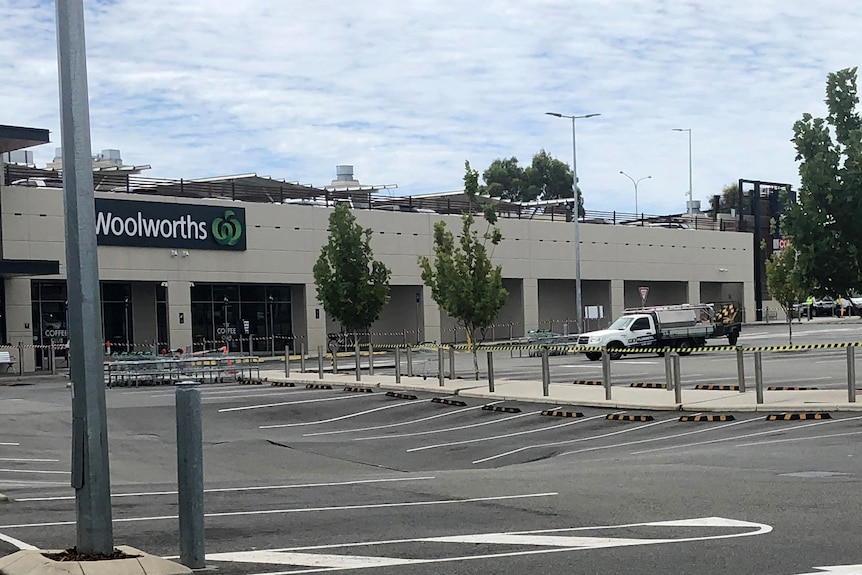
column 579, row 308
column 636, row 182
column 689, row 206
column 272, row 325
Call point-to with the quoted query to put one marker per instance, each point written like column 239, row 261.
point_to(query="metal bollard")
column 758, row 376
column 606, row 372
column 302, row 358
column 320, row 362
column 740, row 369
column 677, row 379
column 668, row 371
column 451, row 363
column 409, row 361
column 851, row 374
column 370, row 359
column 397, row 364
column 335, row 361
column 286, row 362
column 491, row 371
column 21, row 358
column 250, row 350
column 546, row 373
column 357, row 360
column 440, row 366
column 190, row 474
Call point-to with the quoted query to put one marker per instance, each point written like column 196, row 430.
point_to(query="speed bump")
column 625, row 417
column 789, row 388
column 796, row 416
column 444, row 401
column 649, row 385
column 359, row 389
column 707, row 418
column 502, row 408
column 716, row 387
column 557, row 413
column 398, row 395
column 282, row 384
column 586, row 382
column 318, row 386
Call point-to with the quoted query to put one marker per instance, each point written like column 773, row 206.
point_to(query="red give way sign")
column 644, row 290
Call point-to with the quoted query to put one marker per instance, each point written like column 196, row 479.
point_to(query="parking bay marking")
column 548, row 541
column 339, row 418
column 261, row 406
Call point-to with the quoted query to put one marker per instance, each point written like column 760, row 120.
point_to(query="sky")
column 407, row 91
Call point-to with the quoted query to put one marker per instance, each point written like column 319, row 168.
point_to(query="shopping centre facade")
column 201, row 263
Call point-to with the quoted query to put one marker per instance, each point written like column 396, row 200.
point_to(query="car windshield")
column 621, row 323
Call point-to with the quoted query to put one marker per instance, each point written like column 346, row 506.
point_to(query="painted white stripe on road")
column 446, row 429
column 262, row 406
column 506, row 435
column 800, row 438
column 35, row 471
column 300, row 510
column 779, row 429
column 400, row 423
column 26, row 460
column 17, row 543
column 330, row 420
column 253, row 488
column 326, row 562
column 568, row 441
column 10, row 444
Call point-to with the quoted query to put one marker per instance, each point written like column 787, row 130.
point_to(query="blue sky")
column 407, row 91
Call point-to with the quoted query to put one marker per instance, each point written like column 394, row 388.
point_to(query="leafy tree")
column 505, row 179
column 546, row 178
column 783, row 283
column 351, row 285
column 462, row 279
column 824, row 224
column 729, row 199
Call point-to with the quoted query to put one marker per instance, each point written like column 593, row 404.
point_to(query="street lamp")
column 579, row 310
column 272, row 325
column 689, row 207
column 636, row 182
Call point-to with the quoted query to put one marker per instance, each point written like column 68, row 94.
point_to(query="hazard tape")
column 649, row 385
column 624, row 417
column 555, row 413
column 318, row 386
column 707, row 418
column 587, row 382
column 716, row 387
column 797, row 416
column 790, row 388
column 501, row 408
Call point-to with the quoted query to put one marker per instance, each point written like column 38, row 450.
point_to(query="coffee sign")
column 163, row 225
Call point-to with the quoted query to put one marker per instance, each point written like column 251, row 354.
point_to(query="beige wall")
column 284, row 241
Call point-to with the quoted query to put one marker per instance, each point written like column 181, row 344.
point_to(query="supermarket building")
column 197, row 264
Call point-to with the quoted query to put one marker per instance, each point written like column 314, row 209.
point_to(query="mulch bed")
column 74, row 555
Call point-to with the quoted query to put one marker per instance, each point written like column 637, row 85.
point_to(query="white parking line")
column 799, row 439
column 505, row 435
column 35, row 471
column 30, row 460
column 10, row 444
column 301, row 510
column 262, row 406
column 779, row 429
column 568, row 441
column 400, row 423
column 241, row 489
column 447, row 429
column 331, row 419
column 17, row 543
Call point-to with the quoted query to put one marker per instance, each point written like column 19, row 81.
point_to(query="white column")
column 19, row 318
column 618, row 300
column 530, row 297
column 180, row 314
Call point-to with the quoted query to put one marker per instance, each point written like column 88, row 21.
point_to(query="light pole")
column 636, row 182
column 272, row 325
column 225, row 304
column 689, row 206
column 579, row 314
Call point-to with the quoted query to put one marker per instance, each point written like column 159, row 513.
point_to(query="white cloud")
column 406, row 91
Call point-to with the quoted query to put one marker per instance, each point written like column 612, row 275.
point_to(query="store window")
column 49, row 321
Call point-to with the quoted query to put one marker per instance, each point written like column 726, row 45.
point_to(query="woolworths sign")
column 160, row 225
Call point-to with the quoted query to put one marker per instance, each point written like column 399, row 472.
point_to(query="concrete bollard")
column 758, row 376
column 320, row 362
column 740, row 369
column 302, row 357
column 606, row 372
column 677, row 379
column 286, row 361
column 190, row 474
column 370, row 359
column 440, row 366
column 851, row 374
column 491, row 371
column 397, row 364
column 546, row 373
column 668, row 371
column 358, row 360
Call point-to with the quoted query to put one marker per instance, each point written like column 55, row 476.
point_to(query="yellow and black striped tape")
column 558, row 413
column 716, row 387
column 790, row 388
column 586, row 382
column 707, row 418
column 647, row 385
column 797, row 416
column 626, row 417
column 501, row 408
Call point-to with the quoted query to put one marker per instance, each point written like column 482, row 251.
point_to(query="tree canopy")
column 351, row 285
column 546, row 178
column 727, row 200
column 784, row 284
column 824, row 224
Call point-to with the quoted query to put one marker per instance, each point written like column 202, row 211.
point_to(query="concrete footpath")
column 622, row 397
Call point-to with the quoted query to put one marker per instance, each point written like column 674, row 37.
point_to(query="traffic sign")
column 644, row 290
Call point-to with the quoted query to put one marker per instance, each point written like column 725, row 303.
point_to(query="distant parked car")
column 38, row 183
column 820, row 307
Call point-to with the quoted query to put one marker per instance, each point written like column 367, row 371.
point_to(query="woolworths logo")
column 227, row 230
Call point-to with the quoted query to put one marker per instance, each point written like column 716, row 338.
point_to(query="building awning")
column 18, row 138
column 29, row 267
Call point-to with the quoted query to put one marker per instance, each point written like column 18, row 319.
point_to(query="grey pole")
column 758, row 376
column 740, row 369
column 851, row 374
column 491, row 371
column 357, row 360
column 409, row 361
column 451, row 363
column 546, row 373
column 440, row 366
column 286, row 361
column 668, row 372
column 606, row 372
column 302, row 357
column 370, row 358
column 90, row 468
column 190, row 474
column 335, row 361
column 320, row 362
column 250, row 351
column 21, row 357
column 677, row 380
column 397, row 364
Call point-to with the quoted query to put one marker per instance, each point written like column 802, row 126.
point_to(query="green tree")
column 727, row 200
column 505, row 179
column 351, row 285
column 824, row 224
column 463, row 281
column 546, row 178
column 783, row 284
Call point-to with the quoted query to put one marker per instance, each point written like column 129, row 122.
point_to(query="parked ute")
column 673, row 326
